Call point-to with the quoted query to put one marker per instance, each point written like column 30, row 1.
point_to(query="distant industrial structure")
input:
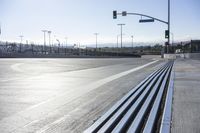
column 192, row 46
column 184, row 49
column 15, row 50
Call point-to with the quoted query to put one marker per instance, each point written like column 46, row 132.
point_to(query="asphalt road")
column 64, row 95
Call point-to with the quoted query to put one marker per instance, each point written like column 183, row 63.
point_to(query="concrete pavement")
column 64, row 95
column 186, row 102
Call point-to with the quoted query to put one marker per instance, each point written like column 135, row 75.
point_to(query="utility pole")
column 121, row 32
column 44, row 40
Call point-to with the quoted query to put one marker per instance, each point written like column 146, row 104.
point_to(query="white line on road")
column 99, row 83
column 93, row 86
column 17, row 68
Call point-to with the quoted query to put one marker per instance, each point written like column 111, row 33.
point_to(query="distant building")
column 195, row 45
column 192, row 46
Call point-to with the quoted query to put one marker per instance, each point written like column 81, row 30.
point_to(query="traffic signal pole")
column 151, row 19
column 168, row 26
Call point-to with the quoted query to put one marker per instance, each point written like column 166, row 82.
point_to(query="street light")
column 44, row 40
column 96, row 34
column 121, row 32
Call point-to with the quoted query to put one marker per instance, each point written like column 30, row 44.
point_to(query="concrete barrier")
column 170, row 56
column 192, row 55
column 183, row 55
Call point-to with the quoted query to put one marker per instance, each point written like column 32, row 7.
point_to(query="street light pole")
column 96, row 34
column 66, row 46
column 121, row 32
column 117, row 40
column 132, row 41
column 21, row 39
column 49, row 32
column 44, row 39
column 66, row 41
column 58, row 45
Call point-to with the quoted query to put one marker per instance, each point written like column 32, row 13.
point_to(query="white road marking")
column 52, row 124
column 16, row 67
column 98, row 83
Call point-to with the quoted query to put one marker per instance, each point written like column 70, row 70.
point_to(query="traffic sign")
column 146, row 20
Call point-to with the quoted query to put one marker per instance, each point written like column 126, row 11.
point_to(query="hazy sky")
column 80, row 19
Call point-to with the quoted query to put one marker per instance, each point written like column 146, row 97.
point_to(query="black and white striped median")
column 146, row 108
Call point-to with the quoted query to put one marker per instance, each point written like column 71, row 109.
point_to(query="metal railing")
column 146, row 108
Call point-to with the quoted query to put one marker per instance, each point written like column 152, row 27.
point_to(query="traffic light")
column 166, row 33
column 124, row 13
column 114, row 14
